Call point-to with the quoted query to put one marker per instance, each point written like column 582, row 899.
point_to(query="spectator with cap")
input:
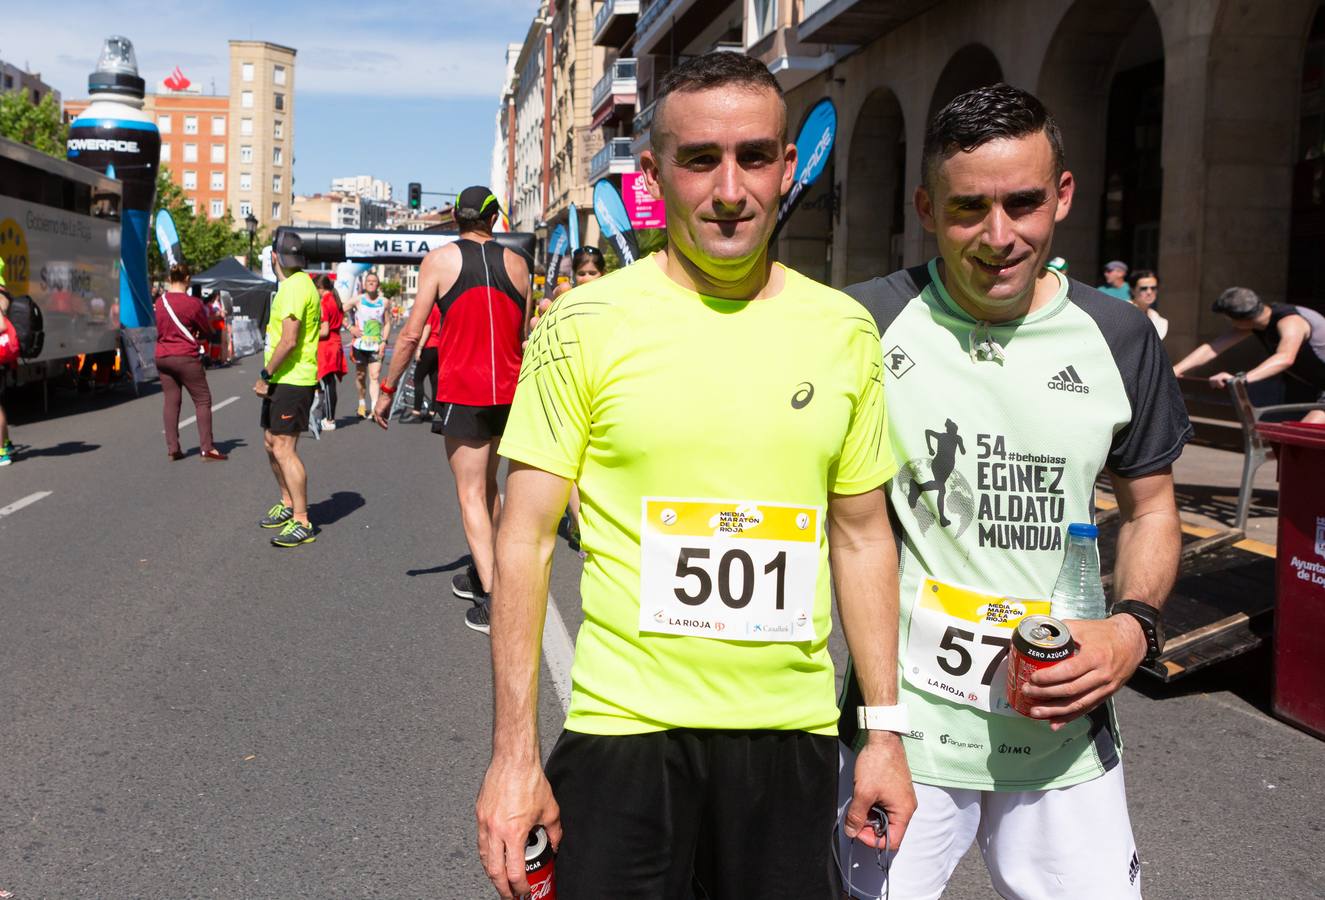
column 1115, row 280
column 1294, row 336
column 1145, row 294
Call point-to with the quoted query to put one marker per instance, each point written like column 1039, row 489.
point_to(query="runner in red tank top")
column 482, row 293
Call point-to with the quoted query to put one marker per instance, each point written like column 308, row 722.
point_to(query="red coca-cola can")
column 1038, row 642
column 540, row 863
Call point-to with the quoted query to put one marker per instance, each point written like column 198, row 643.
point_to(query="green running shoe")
column 293, row 534
column 277, row 516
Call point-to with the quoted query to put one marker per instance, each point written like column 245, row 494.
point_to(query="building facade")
column 12, row 78
column 363, row 186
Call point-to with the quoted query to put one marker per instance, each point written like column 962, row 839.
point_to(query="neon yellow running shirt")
column 705, row 436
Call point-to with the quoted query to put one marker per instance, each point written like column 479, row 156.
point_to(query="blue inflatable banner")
column 614, row 221
column 557, row 247
column 814, row 148
column 574, row 222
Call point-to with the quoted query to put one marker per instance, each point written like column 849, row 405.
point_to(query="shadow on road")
column 1248, row 677
column 24, row 405
column 68, row 448
column 1220, row 502
column 336, row 507
column 442, row 568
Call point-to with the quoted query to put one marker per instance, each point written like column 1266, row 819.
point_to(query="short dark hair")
column 986, row 114
column 323, row 282
column 593, row 254
column 1238, row 303
column 1142, row 273
column 479, row 223
column 720, row 68
column 179, row 273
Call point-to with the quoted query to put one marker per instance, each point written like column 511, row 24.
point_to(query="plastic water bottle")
column 1078, row 593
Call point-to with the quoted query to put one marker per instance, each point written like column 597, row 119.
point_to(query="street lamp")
column 251, row 223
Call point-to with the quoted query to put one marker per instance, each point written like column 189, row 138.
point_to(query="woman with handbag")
column 181, row 320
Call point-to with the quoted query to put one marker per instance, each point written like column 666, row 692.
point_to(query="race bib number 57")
column 958, row 644
column 728, row 569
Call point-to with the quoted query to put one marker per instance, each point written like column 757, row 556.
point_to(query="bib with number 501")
column 729, row 569
column 958, row 644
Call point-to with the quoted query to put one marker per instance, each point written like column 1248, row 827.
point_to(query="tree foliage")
column 37, row 125
column 390, row 289
column 650, row 240
column 203, row 241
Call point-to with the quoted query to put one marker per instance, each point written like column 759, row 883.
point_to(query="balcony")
column 615, row 158
column 675, row 23
column 855, row 21
column 614, row 94
column 614, row 22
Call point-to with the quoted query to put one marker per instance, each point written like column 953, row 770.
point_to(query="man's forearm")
column 1270, row 368
column 1149, row 547
column 519, row 604
column 1198, row 357
column 400, row 359
column 278, row 354
column 866, row 579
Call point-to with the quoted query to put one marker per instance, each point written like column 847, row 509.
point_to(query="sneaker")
column 363, row 411
column 277, row 516
column 9, row 447
column 6, row 456
column 476, row 617
column 466, row 585
column 328, row 425
column 293, row 534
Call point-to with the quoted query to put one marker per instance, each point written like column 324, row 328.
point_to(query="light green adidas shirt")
column 1000, row 432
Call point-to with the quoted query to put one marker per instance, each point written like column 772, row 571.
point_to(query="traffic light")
column 415, row 195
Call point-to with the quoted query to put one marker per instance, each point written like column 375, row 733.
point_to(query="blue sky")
column 378, row 92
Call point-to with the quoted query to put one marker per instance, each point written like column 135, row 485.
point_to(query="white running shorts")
column 1038, row 845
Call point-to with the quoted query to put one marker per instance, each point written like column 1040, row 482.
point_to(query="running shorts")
column 364, row 357
column 286, row 407
column 1038, row 845
column 684, row 813
column 477, row 423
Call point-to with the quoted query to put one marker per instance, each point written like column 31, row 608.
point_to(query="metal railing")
column 616, row 150
column 611, row 8
column 619, row 79
column 643, row 119
column 651, row 15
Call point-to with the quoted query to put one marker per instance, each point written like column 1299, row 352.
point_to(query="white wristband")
column 883, row 718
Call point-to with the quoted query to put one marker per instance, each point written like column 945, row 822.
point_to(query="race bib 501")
column 729, row 569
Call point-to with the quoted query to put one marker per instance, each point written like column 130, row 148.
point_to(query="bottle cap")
column 1081, row 529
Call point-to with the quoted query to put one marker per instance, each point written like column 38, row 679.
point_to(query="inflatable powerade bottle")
column 116, row 138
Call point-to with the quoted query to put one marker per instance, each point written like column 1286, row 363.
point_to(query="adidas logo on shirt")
column 1068, row 380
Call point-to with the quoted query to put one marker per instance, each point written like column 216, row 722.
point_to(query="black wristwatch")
column 1151, row 626
column 265, row 376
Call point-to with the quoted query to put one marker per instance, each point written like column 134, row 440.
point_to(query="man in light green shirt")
column 286, row 385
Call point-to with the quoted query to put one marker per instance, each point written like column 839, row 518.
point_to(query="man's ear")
column 650, row 167
column 925, row 209
column 1067, row 187
column 789, row 170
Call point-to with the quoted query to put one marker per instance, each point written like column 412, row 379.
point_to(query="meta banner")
column 333, row 245
column 614, row 221
column 814, row 148
column 644, row 211
column 407, row 247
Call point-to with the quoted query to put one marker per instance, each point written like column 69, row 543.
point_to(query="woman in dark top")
column 181, row 321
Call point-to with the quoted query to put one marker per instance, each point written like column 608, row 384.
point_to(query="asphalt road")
column 188, row 712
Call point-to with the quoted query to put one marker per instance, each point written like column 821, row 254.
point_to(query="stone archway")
column 971, row 67
column 1103, row 80
column 877, row 198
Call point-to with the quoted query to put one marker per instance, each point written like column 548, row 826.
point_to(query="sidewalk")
column 1207, row 482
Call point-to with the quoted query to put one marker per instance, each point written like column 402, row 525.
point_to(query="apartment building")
column 527, row 131
column 577, row 64
column 14, row 78
column 262, row 86
column 363, row 186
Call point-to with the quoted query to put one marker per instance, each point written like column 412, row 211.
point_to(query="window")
column 278, row 101
column 246, row 72
column 278, row 75
column 190, row 180
column 218, row 125
column 246, row 154
column 218, row 153
column 276, row 156
column 246, row 181
column 246, row 99
column 163, row 124
column 190, row 124
column 245, row 210
column 275, row 210
column 278, row 129
column 191, row 203
column 246, row 127
column 190, row 152
column 275, row 184
column 217, row 209
column 218, row 181
column 761, row 20
column 165, row 152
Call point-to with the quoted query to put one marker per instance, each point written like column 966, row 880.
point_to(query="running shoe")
column 466, row 584
column 277, row 516
column 328, row 425
column 476, row 617
column 363, row 411
column 9, row 447
column 293, row 534
column 6, row 455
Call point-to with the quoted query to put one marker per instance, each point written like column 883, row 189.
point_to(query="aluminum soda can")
column 1038, row 642
column 540, row 866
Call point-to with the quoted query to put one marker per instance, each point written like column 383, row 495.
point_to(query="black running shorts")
column 476, row 423
column 364, row 357
column 285, row 410
column 674, row 815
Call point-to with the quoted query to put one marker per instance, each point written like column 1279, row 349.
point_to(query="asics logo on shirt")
column 1068, row 380
column 803, row 395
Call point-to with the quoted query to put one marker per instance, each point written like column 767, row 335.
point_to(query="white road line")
column 40, row 495
column 215, row 406
column 558, row 651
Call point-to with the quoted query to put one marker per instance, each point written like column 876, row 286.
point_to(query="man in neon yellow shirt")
column 723, row 417
column 286, row 385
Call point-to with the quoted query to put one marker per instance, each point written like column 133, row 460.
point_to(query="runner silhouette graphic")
column 944, row 445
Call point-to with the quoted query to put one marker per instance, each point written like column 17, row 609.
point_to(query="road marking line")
column 215, row 406
column 558, row 651
column 41, row 495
